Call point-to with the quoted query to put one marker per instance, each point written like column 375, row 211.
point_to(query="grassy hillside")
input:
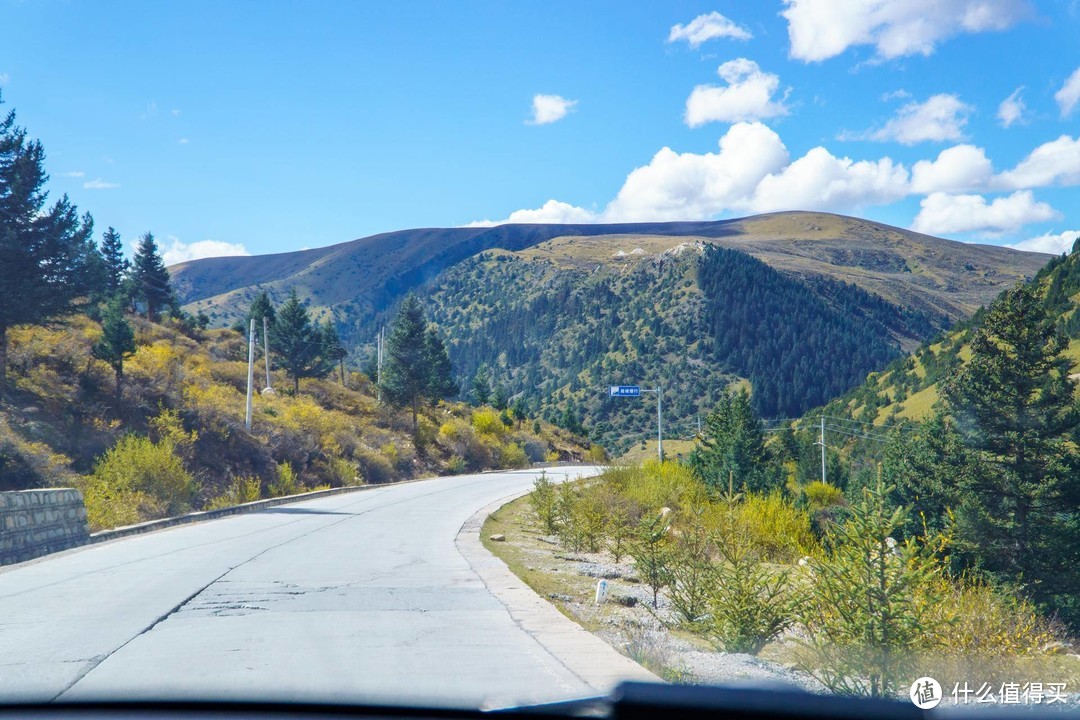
column 177, row 440
column 908, row 388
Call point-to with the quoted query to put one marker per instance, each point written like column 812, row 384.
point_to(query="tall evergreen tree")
column 1013, row 405
column 297, row 343
column 733, row 445
column 149, row 279
column 117, row 342
column 405, row 375
column 43, row 253
column 440, row 373
column 261, row 307
column 481, row 386
column 116, row 265
column 333, row 351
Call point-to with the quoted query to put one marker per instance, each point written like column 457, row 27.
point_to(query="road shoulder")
column 591, row 659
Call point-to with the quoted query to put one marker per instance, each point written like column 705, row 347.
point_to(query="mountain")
column 360, row 279
column 797, row 307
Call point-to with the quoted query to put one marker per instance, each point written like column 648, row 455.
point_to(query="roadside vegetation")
column 954, row 557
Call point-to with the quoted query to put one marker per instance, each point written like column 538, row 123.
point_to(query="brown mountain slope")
column 361, row 278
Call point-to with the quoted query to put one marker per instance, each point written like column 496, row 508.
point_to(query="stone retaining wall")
column 37, row 522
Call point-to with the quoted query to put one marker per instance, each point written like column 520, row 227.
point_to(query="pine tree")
column 440, row 382
column 733, row 444
column 1013, row 405
column 481, row 386
column 149, row 279
column 333, row 351
column 260, row 308
column 405, row 375
column 297, row 343
column 43, row 253
column 498, row 398
column 117, row 342
column 116, row 266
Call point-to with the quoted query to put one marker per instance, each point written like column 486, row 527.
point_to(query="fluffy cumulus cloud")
column 691, row 186
column 1011, row 110
column 748, row 95
column 940, row 118
column 956, row 169
column 751, row 171
column 821, row 181
column 178, row 251
column 942, row 213
column 1054, row 244
column 1069, row 94
column 821, row 29
column 549, row 108
column 708, row 27
column 1053, row 163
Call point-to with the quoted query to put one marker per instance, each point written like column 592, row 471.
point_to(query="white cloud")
column 821, row 29
column 747, row 96
column 99, row 184
column 1011, row 110
column 940, row 118
column 1056, row 162
column 1049, row 243
column 553, row 211
column 1069, row 94
column 549, row 109
column 179, row 251
column 183, row 141
column 956, row 169
column 75, row 174
column 708, row 27
column 821, row 181
column 175, row 112
column 942, row 213
column 900, row 94
column 4, row 79
column 689, row 186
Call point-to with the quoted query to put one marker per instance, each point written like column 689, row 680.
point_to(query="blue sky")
column 271, row 126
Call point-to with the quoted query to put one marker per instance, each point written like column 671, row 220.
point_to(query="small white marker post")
column 601, row 591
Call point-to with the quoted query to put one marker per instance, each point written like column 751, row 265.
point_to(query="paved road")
column 362, row 596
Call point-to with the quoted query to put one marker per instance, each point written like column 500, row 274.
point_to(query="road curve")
column 356, row 597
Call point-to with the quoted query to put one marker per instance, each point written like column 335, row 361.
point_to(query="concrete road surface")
column 378, row 595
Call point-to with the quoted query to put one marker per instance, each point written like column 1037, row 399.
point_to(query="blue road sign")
column 624, row 391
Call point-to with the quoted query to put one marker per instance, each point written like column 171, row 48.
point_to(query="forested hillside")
column 557, row 329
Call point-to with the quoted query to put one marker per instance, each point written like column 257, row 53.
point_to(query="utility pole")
column 378, row 364
column 822, row 444
column 251, row 373
column 659, row 425
column 266, row 351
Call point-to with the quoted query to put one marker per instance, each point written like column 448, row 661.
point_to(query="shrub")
column 374, row 467
column 544, row 505
column 692, row 571
column 596, row 454
column 342, row 473
column 512, row 456
column 749, row 604
column 776, row 527
column 455, row 465
column 535, row 449
column 872, row 603
column 285, row 481
column 242, row 490
column 651, row 550
column 821, row 495
column 487, row 422
column 142, row 474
